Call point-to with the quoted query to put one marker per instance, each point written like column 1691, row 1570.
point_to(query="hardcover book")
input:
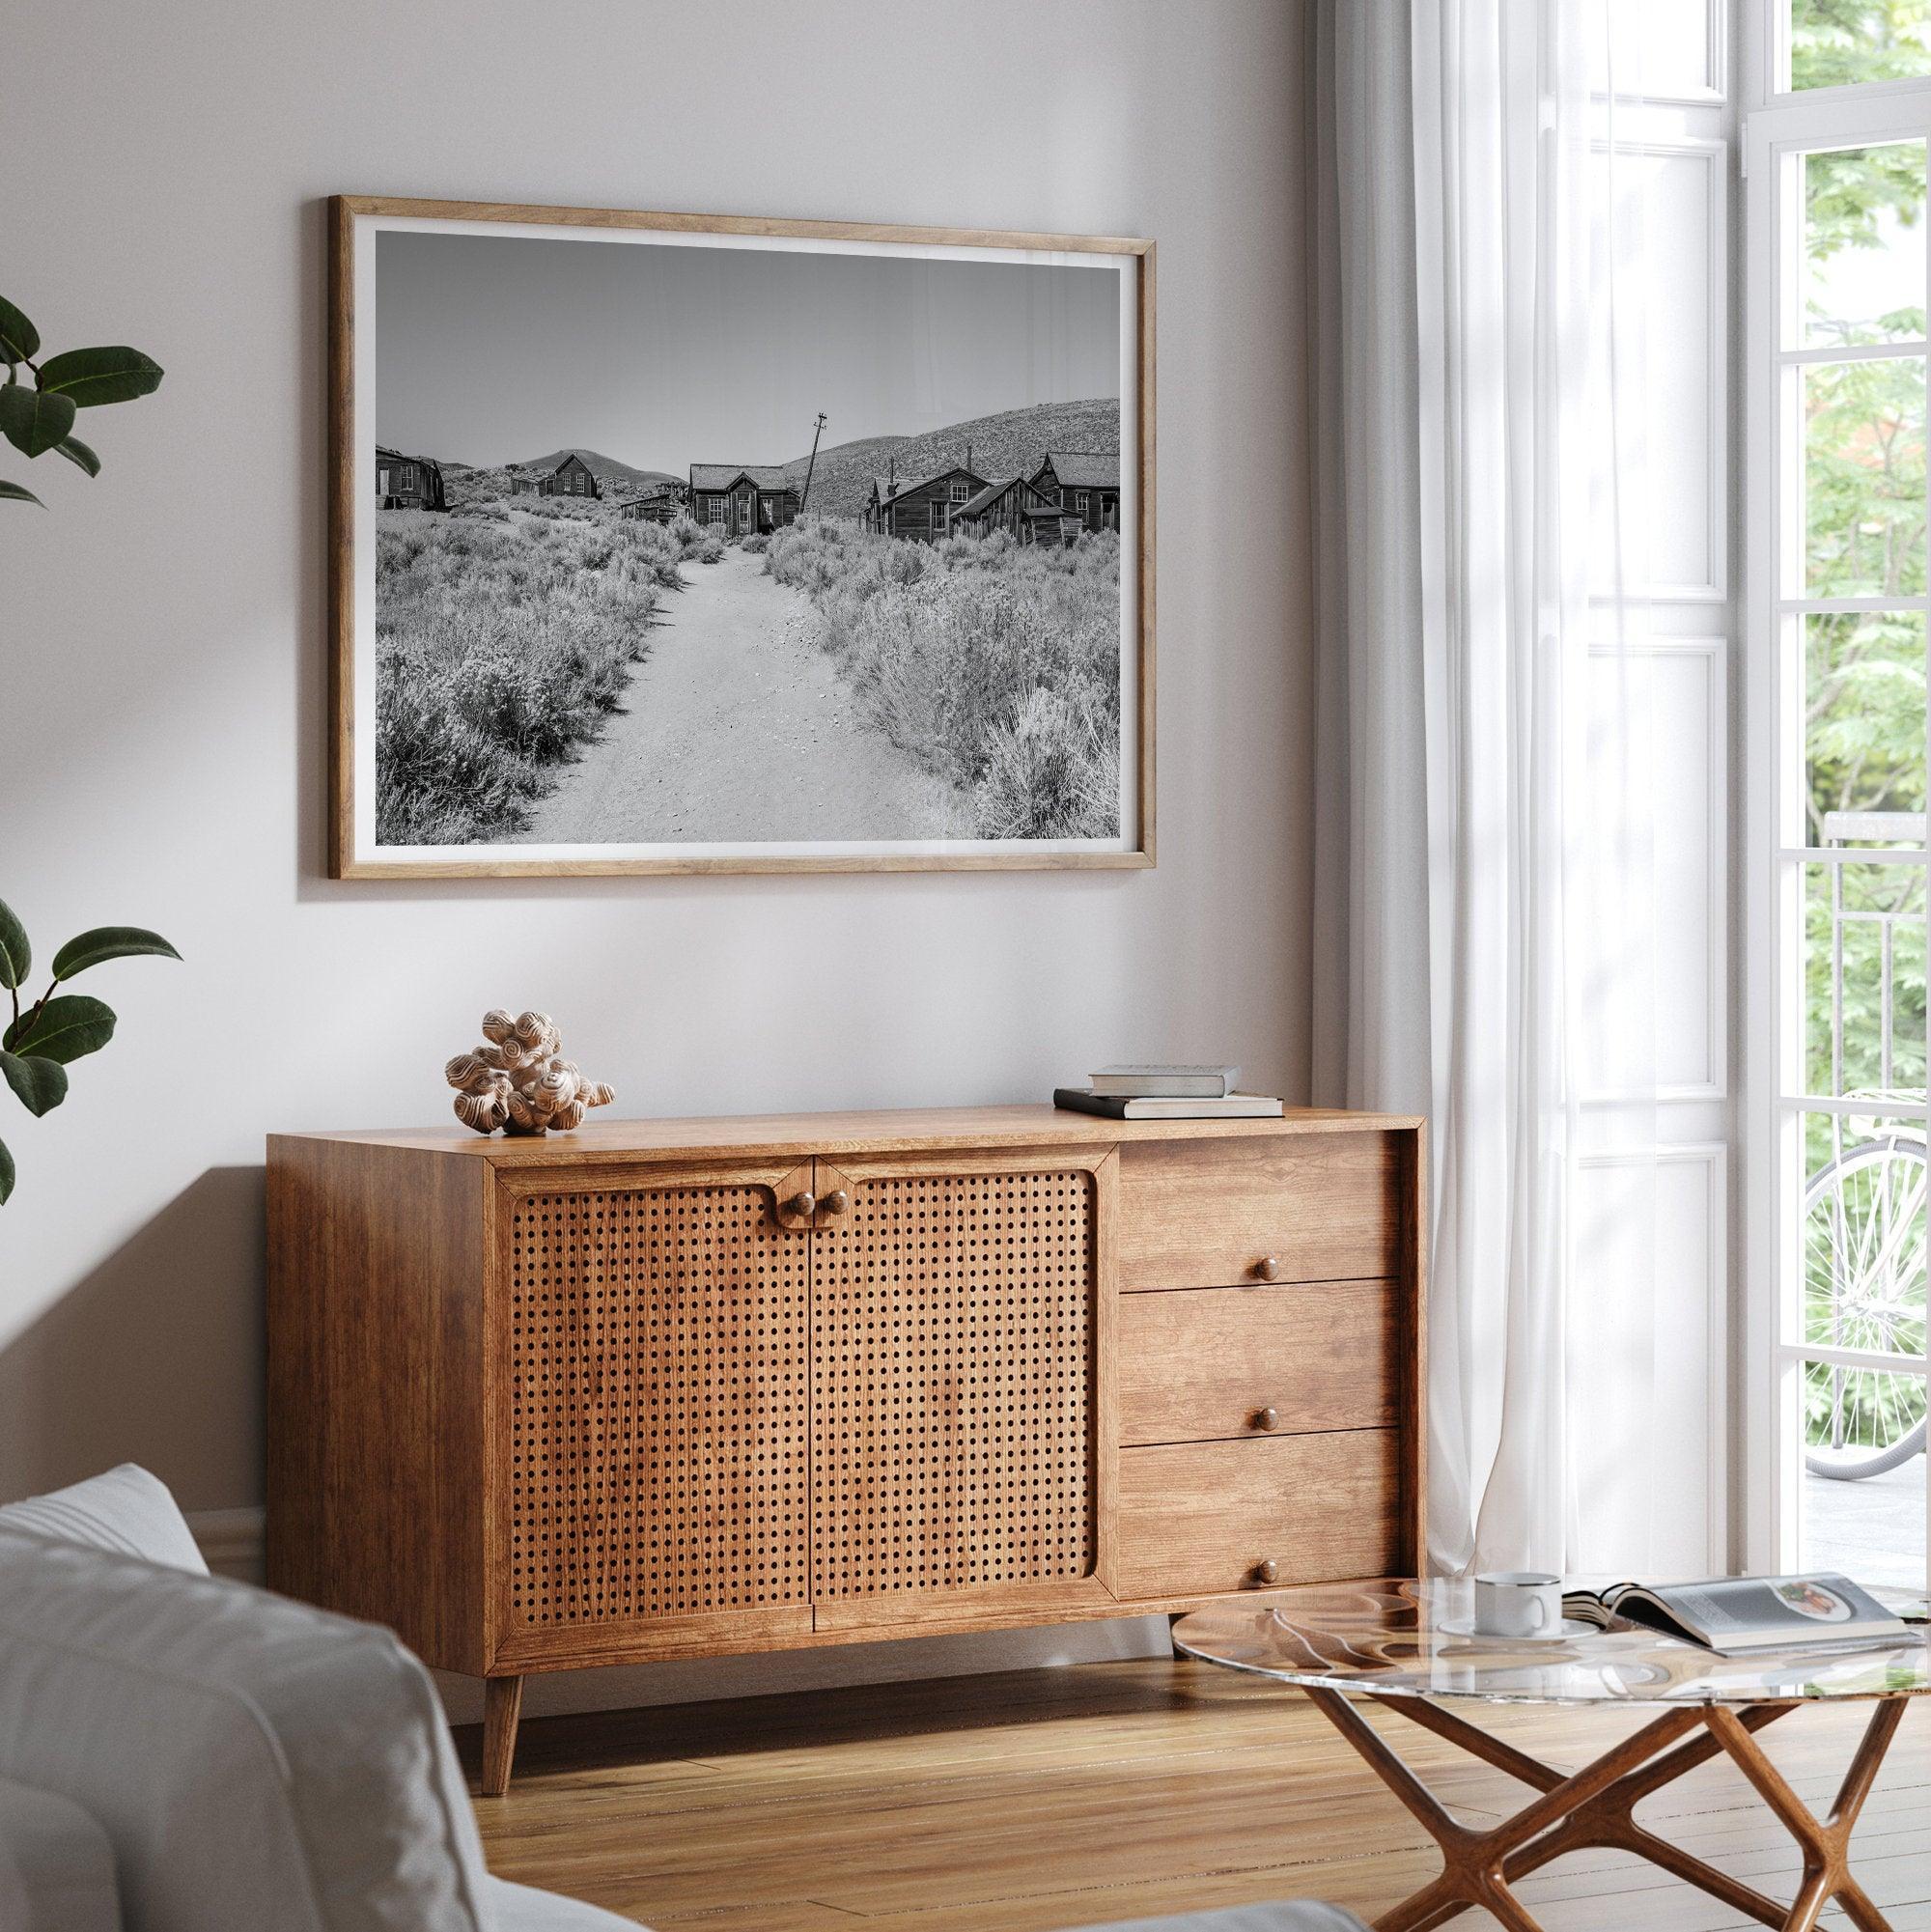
column 1197, row 1083
column 1168, row 1107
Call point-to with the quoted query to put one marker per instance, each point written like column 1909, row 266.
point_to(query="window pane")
column 1863, row 1252
column 1862, row 1509
column 1863, row 729
column 1863, row 979
column 1864, row 478
column 1864, row 245
column 1841, row 42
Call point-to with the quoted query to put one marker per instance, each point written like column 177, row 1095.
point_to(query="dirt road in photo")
column 739, row 727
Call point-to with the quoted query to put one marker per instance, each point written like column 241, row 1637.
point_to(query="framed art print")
column 670, row 543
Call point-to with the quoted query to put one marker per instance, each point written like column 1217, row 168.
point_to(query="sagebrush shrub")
column 994, row 664
column 497, row 650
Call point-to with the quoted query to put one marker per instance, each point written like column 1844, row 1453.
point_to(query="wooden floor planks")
column 1049, row 1798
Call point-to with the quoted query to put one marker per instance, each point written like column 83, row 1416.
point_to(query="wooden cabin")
column 922, row 507
column 737, row 499
column 571, row 477
column 1084, row 482
column 653, row 506
column 407, row 482
column 1013, row 505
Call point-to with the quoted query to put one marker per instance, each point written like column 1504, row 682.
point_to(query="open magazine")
column 1736, row 1616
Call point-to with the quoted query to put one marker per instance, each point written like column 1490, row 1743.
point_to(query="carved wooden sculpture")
column 519, row 1079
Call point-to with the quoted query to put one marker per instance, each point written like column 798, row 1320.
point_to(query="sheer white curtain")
column 1481, row 870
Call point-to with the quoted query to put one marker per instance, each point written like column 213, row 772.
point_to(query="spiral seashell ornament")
column 518, row 1078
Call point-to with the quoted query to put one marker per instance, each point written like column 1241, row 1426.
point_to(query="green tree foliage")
column 1844, row 42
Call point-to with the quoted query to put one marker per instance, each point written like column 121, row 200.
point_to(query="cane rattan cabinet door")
column 657, row 1403
column 955, row 1389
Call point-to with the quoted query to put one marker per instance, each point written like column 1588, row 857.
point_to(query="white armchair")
column 183, row 1753
column 252, row 1763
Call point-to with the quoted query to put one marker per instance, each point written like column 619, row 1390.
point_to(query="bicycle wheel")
column 1864, row 1288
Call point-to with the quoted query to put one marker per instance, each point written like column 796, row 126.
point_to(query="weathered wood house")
column 922, row 507
column 407, row 482
column 571, row 477
column 740, row 499
column 1085, row 482
column 1013, row 505
column 664, row 505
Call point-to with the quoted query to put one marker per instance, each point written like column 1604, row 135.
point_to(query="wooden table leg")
column 1475, row 1864
column 1608, row 1821
column 502, row 1706
column 1594, row 1807
column 1826, row 1843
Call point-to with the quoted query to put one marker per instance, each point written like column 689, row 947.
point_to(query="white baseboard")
column 231, row 1542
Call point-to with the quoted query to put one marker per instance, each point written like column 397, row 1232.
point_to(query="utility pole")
column 817, row 432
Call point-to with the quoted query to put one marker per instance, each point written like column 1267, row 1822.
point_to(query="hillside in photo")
column 611, row 474
column 469, row 483
column 1008, row 444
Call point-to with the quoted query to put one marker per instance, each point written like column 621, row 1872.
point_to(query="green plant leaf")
column 33, row 420
column 19, row 339
column 64, row 1029
column 5, row 1174
column 40, row 1084
column 77, row 452
column 91, row 377
column 17, row 956
column 12, row 492
column 107, row 943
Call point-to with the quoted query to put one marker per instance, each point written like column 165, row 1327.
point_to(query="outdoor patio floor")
column 1871, row 1531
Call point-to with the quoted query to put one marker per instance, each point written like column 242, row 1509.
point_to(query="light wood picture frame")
column 579, row 628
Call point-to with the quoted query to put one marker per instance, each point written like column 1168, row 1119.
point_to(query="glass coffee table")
column 1409, row 1647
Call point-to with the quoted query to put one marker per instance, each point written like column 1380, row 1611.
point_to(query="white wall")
column 162, row 650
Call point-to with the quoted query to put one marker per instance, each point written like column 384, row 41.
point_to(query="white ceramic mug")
column 1518, row 1603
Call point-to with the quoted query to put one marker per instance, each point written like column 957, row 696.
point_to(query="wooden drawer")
column 1200, row 1518
column 1198, row 1364
column 1308, row 1207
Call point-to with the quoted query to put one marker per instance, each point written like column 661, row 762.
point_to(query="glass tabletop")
column 1403, row 1639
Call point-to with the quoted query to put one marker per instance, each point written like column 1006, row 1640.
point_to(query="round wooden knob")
column 836, row 1201
column 1267, row 1570
column 804, row 1205
column 1267, row 1267
column 1268, row 1418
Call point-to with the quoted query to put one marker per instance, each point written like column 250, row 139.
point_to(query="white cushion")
column 517, row 1908
column 126, row 1509
column 255, row 1763
column 56, row 1865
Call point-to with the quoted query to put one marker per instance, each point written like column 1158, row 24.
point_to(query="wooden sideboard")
column 674, row 1388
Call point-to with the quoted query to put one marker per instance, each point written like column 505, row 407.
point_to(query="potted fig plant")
column 44, row 1037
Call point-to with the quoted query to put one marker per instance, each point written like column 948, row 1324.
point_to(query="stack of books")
column 1166, row 1093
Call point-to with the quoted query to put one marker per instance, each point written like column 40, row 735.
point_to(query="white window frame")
column 1780, row 126
column 959, row 490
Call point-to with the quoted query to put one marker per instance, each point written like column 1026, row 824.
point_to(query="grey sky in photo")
column 494, row 348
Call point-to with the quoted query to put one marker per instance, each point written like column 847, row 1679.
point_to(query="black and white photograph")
column 685, row 547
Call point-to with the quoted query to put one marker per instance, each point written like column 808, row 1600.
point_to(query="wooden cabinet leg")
column 502, row 1706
